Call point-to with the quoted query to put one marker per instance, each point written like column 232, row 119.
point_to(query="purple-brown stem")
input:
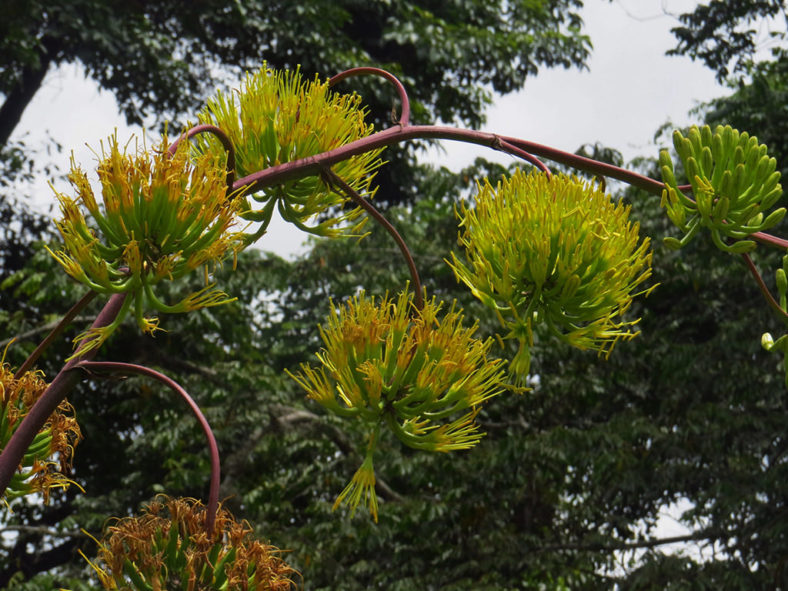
column 404, row 118
column 64, row 322
column 762, row 286
column 335, row 179
column 213, row 448
column 223, row 138
column 510, row 149
column 55, row 393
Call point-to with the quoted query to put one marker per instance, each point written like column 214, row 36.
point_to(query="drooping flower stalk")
column 404, row 118
column 213, row 449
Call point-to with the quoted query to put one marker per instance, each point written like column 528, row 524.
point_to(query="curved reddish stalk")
column 223, row 138
column 63, row 383
column 335, row 179
column 64, row 322
column 509, row 148
column 213, row 448
column 762, row 285
column 313, row 165
column 404, row 118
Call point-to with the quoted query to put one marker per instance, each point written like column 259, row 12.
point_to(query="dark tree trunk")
column 19, row 97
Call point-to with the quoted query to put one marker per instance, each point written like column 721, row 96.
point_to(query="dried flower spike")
column 47, row 461
column 419, row 372
column 277, row 117
column 161, row 218
column 167, row 547
column 557, row 251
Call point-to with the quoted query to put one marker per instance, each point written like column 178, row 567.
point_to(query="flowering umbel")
column 162, row 217
column 557, row 251
column 48, row 458
column 418, row 372
column 278, row 117
column 168, row 547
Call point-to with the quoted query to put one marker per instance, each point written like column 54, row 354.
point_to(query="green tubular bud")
column 667, row 176
column 729, row 140
column 665, row 160
column 741, row 247
column 782, row 281
column 773, row 219
column 671, row 243
column 720, row 211
column 772, row 197
column 706, row 161
column 695, row 141
column 767, row 341
column 683, row 146
column 718, row 149
column 706, row 136
column 726, row 186
column 693, row 173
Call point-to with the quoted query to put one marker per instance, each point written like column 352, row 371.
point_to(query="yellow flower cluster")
column 277, row 117
column 418, row 372
column 161, row 217
column 557, row 251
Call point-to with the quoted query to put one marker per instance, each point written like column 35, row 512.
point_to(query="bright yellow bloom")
column 161, row 217
column 167, row 547
column 278, row 117
column 419, row 372
column 556, row 251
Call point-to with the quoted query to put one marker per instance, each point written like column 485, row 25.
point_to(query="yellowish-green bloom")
column 47, row 461
column 160, row 218
column 556, row 251
column 734, row 184
column 418, row 372
column 278, row 117
column 167, row 547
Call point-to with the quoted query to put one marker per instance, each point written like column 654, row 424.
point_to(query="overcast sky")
column 629, row 90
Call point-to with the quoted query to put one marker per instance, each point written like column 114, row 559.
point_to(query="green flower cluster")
column 734, row 183
column 277, row 117
column 418, row 372
column 163, row 216
column 556, row 251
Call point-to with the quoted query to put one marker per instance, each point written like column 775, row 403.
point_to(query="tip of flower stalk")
column 360, row 488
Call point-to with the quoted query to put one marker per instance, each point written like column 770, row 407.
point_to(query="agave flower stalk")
column 167, row 547
column 556, row 251
column 417, row 371
column 163, row 216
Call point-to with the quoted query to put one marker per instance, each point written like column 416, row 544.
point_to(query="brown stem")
column 762, row 286
column 59, row 327
column 511, row 149
column 213, row 449
column 314, row 165
column 333, row 178
column 404, row 118
column 63, row 383
column 223, row 138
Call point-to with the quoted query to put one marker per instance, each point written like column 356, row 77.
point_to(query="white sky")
column 630, row 89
